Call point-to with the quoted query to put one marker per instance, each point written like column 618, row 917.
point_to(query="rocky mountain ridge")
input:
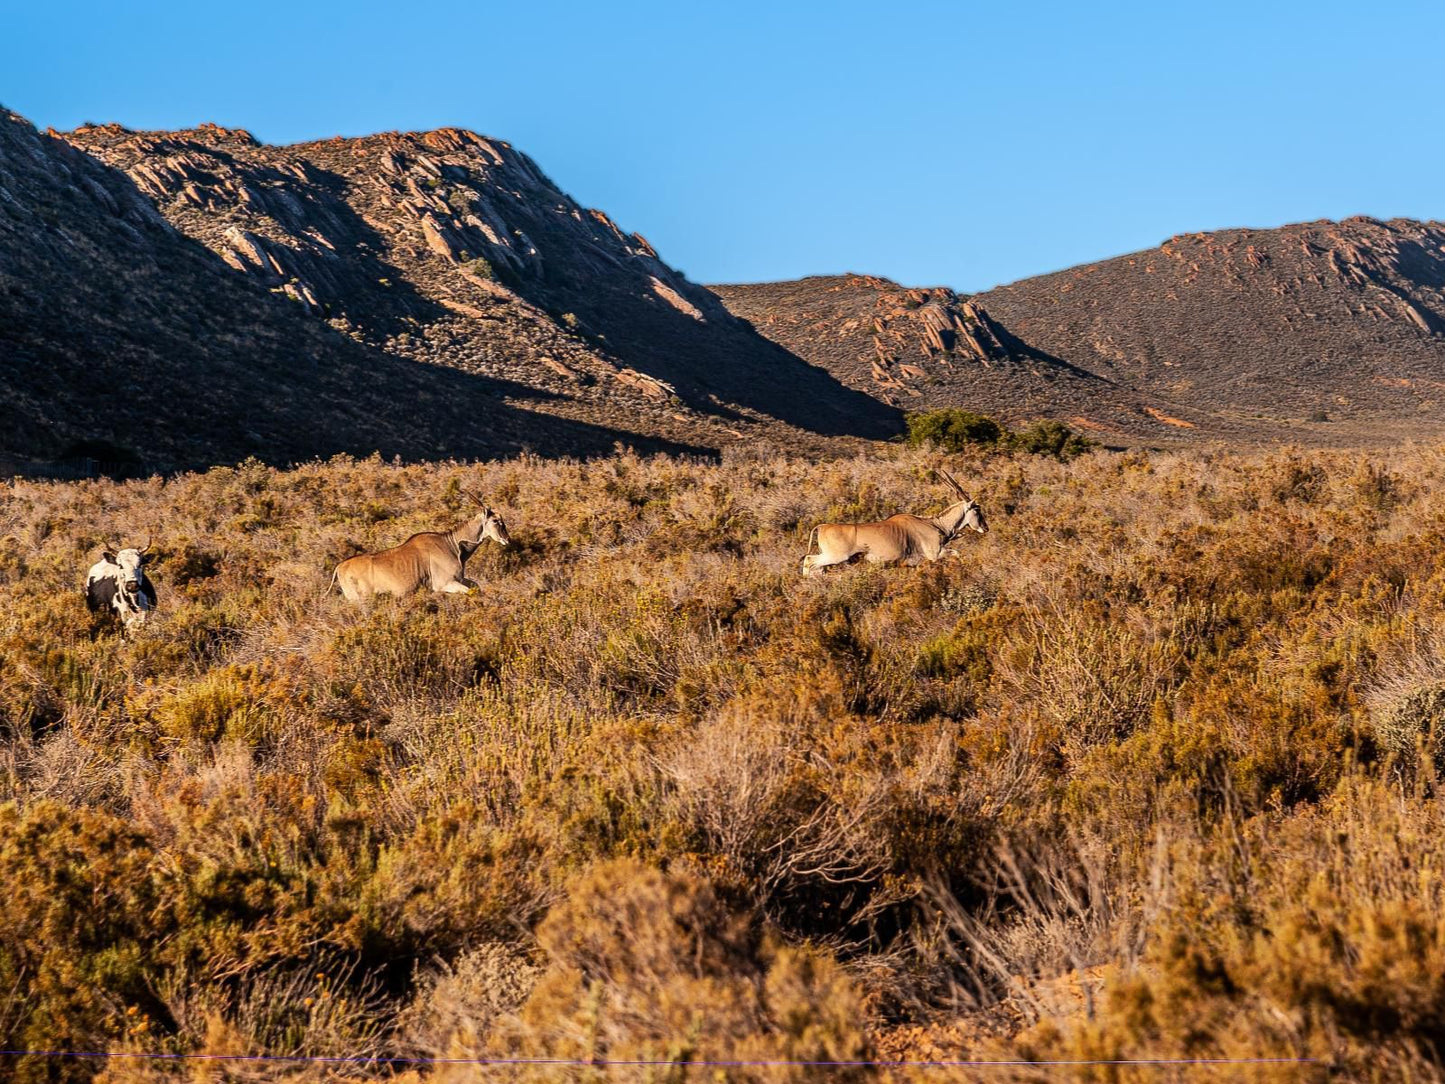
column 1330, row 332
column 1344, row 319
column 196, row 296
column 926, row 348
column 452, row 249
column 118, row 332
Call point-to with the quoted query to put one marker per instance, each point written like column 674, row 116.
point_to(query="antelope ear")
column 108, row 555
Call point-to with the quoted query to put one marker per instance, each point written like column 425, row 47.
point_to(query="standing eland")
column 897, row 538
column 435, row 558
column 117, row 585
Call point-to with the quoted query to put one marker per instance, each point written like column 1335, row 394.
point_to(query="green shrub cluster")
column 955, row 430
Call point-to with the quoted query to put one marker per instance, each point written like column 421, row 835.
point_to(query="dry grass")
column 1172, row 728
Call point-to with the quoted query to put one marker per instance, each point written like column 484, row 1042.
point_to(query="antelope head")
column 492, row 525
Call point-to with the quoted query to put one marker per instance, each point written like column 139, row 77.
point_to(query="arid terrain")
column 1147, row 771
column 1319, row 333
column 178, row 299
column 189, row 298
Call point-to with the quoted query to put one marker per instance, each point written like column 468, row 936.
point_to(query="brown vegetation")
column 1148, row 771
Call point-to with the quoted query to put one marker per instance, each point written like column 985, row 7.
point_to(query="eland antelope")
column 435, row 558
column 117, row 585
column 897, row 537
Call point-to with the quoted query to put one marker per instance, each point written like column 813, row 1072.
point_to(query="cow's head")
column 131, row 562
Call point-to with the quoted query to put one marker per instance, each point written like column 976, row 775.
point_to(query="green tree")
column 952, row 430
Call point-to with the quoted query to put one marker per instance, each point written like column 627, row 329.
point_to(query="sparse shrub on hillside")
column 1377, row 487
column 1311, row 937
column 1300, row 481
column 459, row 1002
column 648, row 965
column 954, row 430
column 1049, row 437
column 1406, row 702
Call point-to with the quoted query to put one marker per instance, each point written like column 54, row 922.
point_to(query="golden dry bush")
column 1317, row 938
column 1149, row 769
column 646, row 966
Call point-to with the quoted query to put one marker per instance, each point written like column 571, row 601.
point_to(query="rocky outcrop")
column 1344, row 320
column 118, row 332
column 1317, row 331
column 979, row 333
column 453, row 249
column 924, row 348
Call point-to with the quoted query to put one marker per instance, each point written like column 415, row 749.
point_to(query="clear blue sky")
column 956, row 143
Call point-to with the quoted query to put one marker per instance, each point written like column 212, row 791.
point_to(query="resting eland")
column 437, row 559
column 897, row 538
column 117, row 585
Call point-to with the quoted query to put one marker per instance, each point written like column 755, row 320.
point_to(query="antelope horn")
column 147, row 547
column 475, row 499
column 953, row 483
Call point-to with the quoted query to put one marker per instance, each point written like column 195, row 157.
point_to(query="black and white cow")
column 117, row 584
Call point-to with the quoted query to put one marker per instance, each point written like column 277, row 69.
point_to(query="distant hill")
column 1323, row 331
column 921, row 349
column 1345, row 318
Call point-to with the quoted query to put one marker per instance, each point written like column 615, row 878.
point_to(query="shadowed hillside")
column 426, row 296
column 114, row 328
column 453, row 249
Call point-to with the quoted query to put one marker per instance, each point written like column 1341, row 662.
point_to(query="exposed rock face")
column 115, row 327
column 453, row 249
column 1339, row 318
column 921, row 349
column 1319, row 331
column 872, row 332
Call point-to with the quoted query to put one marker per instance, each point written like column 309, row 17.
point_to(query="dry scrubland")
column 1148, row 771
